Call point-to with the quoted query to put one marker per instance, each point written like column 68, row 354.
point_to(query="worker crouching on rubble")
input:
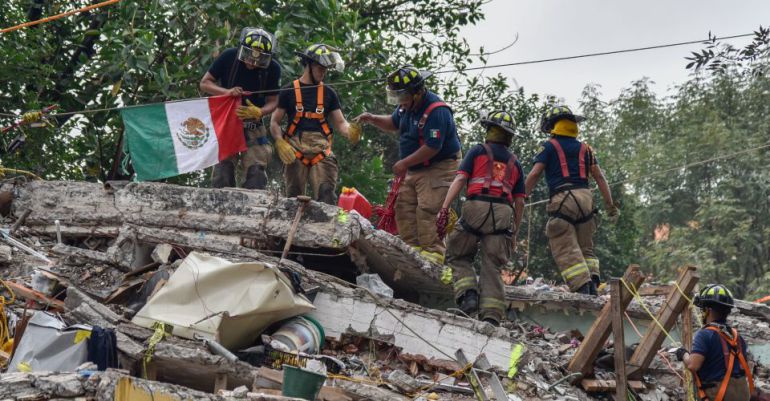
column 567, row 163
column 718, row 357
column 491, row 216
column 429, row 155
column 306, row 146
column 249, row 68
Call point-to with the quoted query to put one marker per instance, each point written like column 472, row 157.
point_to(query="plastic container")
column 351, row 199
column 301, row 334
column 301, row 383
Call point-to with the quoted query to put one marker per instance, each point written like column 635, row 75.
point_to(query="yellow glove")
column 249, row 112
column 31, row 117
column 285, row 151
column 355, row 132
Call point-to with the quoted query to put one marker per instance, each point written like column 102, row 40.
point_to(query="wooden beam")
column 687, row 335
column 583, row 360
column 603, row 386
column 654, row 336
column 616, row 295
column 23, row 291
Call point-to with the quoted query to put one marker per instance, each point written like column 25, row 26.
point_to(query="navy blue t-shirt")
column 231, row 72
column 439, row 131
column 476, row 165
column 553, row 171
column 708, row 344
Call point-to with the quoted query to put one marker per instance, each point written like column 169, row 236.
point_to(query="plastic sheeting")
column 231, row 303
column 47, row 345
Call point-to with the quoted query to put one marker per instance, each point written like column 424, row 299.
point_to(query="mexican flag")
column 169, row 139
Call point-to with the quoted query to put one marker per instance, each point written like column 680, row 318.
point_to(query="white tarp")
column 231, row 303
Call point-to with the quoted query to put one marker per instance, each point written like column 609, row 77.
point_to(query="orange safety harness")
column 300, row 113
column 731, row 347
column 490, row 181
column 563, row 159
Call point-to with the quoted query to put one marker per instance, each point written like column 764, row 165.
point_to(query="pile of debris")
column 155, row 291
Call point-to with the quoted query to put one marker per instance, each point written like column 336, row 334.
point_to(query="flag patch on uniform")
column 434, row 134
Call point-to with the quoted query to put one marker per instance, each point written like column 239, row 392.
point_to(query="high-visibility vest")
column 489, row 180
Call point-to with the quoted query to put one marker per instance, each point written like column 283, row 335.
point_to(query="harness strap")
column 423, row 120
column 731, row 347
column 509, row 175
column 563, row 159
column 300, row 112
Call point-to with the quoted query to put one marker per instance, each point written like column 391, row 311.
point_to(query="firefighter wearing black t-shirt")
column 305, row 147
column 248, row 68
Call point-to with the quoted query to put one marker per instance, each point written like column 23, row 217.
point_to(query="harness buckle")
column 319, row 110
column 299, row 109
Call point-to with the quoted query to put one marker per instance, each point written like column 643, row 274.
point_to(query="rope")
column 5, row 331
column 647, row 310
column 58, row 16
column 3, row 170
column 660, row 353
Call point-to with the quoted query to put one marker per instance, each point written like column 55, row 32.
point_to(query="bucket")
column 301, row 334
column 301, row 383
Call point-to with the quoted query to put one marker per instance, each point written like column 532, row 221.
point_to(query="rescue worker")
column 718, row 357
column 568, row 163
column 306, row 146
column 429, row 156
column 491, row 216
column 237, row 71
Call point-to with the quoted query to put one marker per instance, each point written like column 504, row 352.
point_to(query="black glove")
column 680, row 354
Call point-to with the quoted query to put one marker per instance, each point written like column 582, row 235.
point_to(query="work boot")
column 469, row 302
column 491, row 321
column 588, row 288
column 597, row 281
column 256, row 178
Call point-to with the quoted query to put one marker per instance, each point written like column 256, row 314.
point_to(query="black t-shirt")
column 230, row 72
column 288, row 102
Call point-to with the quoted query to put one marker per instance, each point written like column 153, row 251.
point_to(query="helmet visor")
column 332, row 61
column 397, row 96
column 254, row 57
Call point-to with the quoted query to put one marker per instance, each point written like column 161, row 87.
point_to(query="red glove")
column 441, row 222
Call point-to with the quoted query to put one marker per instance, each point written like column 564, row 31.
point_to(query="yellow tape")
column 81, row 335
column 516, row 353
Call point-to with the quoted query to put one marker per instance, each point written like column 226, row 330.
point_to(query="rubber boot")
column 223, row 175
column 469, row 302
column 597, row 281
column 588, row 288
column 256, row 177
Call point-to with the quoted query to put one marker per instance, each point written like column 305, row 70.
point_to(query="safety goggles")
column 332, row 61
column 254, row 57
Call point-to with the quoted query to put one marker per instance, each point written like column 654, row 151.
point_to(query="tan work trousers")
column 321, row 176
column 252, row 166
column 572, row 245
column 462, row 245
column 419, row 200
column 737, row 390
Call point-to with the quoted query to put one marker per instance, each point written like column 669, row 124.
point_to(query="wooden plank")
column 687, row 336
column 616, row 295
column 603, row 386
column 583, row 360
column 37, row 296
column 655, row 290
column 667, row 315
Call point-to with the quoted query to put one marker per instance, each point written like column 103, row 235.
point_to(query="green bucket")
column 301, row 383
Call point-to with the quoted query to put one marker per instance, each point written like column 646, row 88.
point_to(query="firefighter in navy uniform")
column 568, row 163
column 491, row 217
column 306, row 145
column 718, row 357
column 248, row 68
column 429, row 151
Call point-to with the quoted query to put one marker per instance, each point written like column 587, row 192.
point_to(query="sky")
column 556, row 28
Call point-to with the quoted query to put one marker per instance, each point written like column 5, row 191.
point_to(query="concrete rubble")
column 111, row 247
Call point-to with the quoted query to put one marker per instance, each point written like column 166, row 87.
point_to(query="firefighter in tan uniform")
column 490, row 217
column 568, row 163
column 430, row 151
column 306, row 145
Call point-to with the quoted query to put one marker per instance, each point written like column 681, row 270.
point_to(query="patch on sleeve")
column 434, row 134
column 541, row 149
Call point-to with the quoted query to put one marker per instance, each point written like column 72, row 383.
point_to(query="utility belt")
column 253, row 124
column 492, row 199
column 421, row 166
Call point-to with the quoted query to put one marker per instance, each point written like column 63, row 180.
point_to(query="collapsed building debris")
column 113, row 247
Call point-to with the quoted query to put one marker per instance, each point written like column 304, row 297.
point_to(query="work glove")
column 613, row 212
column 249, row 112
column 31, row 117
column 680, row 354
column 285, row 151
column 442, row 221
column 354, row 132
